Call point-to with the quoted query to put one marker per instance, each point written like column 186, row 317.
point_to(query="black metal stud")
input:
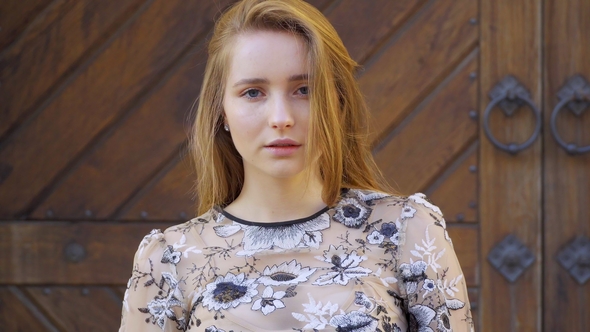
column 511, row 257
column 74, row 252
column 575, row 258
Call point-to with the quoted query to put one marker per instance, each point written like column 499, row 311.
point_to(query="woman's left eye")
column 304, row 90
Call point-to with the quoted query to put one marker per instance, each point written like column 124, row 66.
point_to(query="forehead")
column 267, row 54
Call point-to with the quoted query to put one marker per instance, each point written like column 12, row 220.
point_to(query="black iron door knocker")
column 509, row 94
column 576, row 95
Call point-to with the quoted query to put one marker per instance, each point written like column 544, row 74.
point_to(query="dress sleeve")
column 154, row 300
column 429, row 275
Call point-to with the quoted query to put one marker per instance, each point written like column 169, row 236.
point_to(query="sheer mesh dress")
column 373, row 262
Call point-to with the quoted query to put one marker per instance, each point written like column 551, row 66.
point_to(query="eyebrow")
column 293, row 78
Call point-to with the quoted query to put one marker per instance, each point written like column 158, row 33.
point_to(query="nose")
column 280, row 114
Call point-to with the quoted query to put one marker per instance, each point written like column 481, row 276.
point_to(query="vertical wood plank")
column 566, row 177
column 510, row 191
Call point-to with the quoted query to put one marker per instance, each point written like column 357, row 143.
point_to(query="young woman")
column 294, row 232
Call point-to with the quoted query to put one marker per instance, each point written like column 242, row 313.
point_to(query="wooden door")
column 95, row 102
column 540, row 197
column 566, row 176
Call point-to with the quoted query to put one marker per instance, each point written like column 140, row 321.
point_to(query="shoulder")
column 174, row 240
column 412, row 214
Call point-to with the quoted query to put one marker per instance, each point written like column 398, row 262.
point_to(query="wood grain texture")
column 456, row 192
column 510, row 186
column 320, row 4
column 16, row 16
column 79, row 308
column 28, row 250
column 416, row 59
column 474, row 299
column 168, row 198
column 566, row 177
column 433, row 135
column 373, row 21
column 465, row 243
column 108, row 87
column 135, row 151
column 51, row 48
column 18, row 314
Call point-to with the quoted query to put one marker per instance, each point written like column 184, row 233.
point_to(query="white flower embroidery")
column 229, row 291
column 285, row 274
column 162, row 308
column 375, row 238
column 412, row 274
column 351, row 212
column 408, row 212
column 429, row 285
column 345, row 266
column 258, row 238
column 270, row 301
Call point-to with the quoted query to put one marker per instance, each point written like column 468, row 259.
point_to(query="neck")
column 265, row 198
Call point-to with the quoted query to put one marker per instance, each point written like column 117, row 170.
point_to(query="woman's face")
column 266, row 102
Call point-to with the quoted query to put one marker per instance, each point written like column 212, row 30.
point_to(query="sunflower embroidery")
column 291, row 273
column 229, row 291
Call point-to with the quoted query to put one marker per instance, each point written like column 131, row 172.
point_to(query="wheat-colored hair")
column 338, row 116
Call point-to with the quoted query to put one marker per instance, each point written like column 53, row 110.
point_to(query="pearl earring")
column 226, row 127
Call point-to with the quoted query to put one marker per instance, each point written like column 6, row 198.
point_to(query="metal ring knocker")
column 576, row 95
column 509, row 94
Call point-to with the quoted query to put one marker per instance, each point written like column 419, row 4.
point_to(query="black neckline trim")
column 274, row 223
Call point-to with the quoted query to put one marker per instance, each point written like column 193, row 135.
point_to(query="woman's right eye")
column 252, row 93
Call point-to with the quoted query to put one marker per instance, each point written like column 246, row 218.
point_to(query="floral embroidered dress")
column 374, row 262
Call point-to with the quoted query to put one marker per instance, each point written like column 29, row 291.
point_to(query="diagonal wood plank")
column 415, row 60
column 169, row 198
column 134, row 152
column 115, row 80
column 373, row 21
column 18, row 313
column 455, row 192
column 79, row 308
column 15, row 16
column 437, row 131
column 55, row 44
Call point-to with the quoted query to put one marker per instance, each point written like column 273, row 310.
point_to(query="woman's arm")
column 429, row 273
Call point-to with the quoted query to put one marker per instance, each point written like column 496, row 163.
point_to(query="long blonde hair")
column 338, row 117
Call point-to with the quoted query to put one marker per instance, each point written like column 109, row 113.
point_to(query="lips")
column 283, row 147
column 283, row 142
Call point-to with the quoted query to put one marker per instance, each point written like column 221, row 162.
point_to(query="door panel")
column 510, row 185
column 566, row 176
